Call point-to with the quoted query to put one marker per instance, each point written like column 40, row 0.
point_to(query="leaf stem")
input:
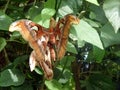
column 6, row 6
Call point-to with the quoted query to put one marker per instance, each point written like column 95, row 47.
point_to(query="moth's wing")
column 32, row 61
column 42, row 40
column 46, row 64
column 62, row 33
column 60, row 42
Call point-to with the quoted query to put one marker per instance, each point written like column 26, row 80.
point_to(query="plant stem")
column 34, row 2
column 63, row 69
column 41, row 87
column 6, row 56
column 6, row 6
column 57, row 7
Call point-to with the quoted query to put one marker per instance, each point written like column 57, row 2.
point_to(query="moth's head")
column 72, row 19
column 17, row 25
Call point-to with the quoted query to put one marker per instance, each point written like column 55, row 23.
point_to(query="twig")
column 34, row 2
column 76, row 71
column 6, row 6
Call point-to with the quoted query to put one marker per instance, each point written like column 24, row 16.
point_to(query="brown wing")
column 62, row 32
column 37, row 43
column 42, row 38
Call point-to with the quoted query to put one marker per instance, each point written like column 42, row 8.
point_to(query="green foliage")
column 98, row 82
column 5, row 21
column 109, row 37
column 71, row 48
column 50, row 4
column 53, row 85
column 11, row 77
column 92, row 59
column 93, row 1
column 112, row 11
column 44, row 18
column 84, row 29
column 2, row 43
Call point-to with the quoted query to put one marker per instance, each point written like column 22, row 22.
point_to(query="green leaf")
column 65, row 77
column 71, row 48
column 97, row 14
column 47, row 13
column 16, row 37
column 2, row 43
column 98, row 54
column 34, row 11
column 68, row 7
column 92, row 23
column 112, row 11
column 109, row 37
column 117, row 53
column 11, row 77
column 5, row 21
column 20, row 59
column 25, row 86
column 93, row 1
column 65, row 10
column 53, row 85
column 73, row 36
column 67, row 60
column 44, row 18
column 86, row 33
column 101, row 82
column 38, row 70
column 50, row 4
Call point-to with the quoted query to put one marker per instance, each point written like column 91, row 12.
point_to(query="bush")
column 92, row 60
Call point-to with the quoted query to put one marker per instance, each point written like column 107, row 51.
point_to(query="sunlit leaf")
column 11, row 77
column 73, row 36
column 71, row 48
column 112, row 11
column 92, row 23
column 2, row 43
column 53, row 85
column 50, row 4
column 93, row 1
column 86, row 33
column 38, row 71
column 68, row 7
column 65, row 10
column 44, row 18
column 47, row 11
